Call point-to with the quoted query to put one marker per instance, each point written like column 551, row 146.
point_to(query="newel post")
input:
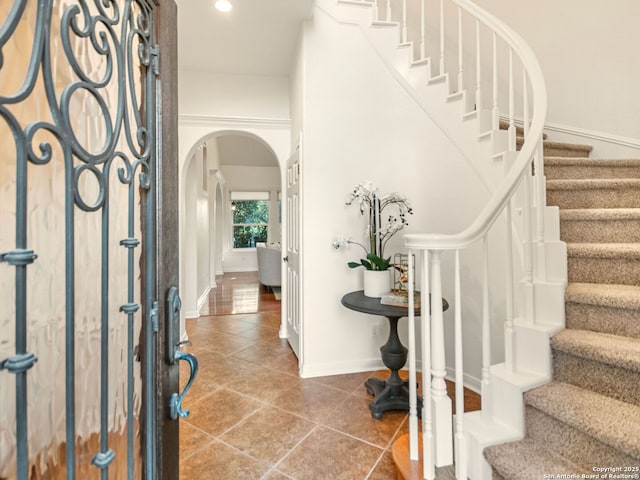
column 441, row 403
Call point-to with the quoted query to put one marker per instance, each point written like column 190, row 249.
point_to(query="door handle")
column 175, row 402
column 174, row 355
column 286, row 259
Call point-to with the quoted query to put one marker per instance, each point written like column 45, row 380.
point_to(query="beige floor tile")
column 220, row 462
column 327, row 454
column 353, row 417
column 220, row 411
column 192, row 439
column 311, row 400
column 268, row 434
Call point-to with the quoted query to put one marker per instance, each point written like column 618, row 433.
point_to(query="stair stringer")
column 431, row 93
column 503, row 420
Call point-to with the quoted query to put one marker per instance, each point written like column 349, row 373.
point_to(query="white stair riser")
column 532, row 350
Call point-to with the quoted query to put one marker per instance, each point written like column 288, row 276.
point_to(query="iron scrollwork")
column 86, row 57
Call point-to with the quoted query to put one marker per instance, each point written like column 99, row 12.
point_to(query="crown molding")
column 246, row 122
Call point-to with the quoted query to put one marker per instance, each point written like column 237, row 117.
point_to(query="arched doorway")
column 217, row 164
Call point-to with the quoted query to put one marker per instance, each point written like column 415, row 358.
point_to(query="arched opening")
column 220, row 168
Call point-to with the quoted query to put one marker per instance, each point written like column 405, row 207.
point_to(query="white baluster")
column 509, row 353
column 423, row 31
column 442, row 70
column 443, row 436
column 428, row 458
column 528, row 249
column 460, row 53
column 404, row 21
column 541, row 202
column 539, row 169
column 495, row 112
column 376, row 11
column 479, row 100
column 512, row 126
column 486, row 334
column 461, row 443
column 525, row 101
column 413, row 394
column 388, row 10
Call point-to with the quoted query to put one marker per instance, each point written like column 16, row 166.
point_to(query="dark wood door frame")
column 167, row 467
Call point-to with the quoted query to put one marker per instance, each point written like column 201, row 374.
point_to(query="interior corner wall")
column 360, row 125
column 588, row 52
column 189, row 292
column 296, row 97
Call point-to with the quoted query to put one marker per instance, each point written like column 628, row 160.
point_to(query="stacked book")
column 400, row 299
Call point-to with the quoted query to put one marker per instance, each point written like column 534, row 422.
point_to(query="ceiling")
column 244, row 151
column 257, row 37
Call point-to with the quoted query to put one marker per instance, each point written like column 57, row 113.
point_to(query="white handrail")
column 437, row 426
column 510, row 182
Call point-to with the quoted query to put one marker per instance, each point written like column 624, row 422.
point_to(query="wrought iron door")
column 78, row 291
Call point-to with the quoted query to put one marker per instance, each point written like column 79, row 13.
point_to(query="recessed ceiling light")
column 223, row 5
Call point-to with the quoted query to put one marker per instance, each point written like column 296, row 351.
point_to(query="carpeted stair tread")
column 560, row 146
column 593, row 184
column 526, row 460
column 614, row 350
column 604, row 295
column 581, row 168
column 591, row 162
column 600, row 214
column 504, row 125
column 629, row 251
column 610, row 421
column 613, row 225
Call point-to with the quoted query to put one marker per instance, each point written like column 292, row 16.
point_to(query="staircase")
column 464, row 88
column 589, row 415
column 580, row 384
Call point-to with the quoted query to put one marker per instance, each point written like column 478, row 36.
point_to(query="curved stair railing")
column 521, row 187
column 493, row 73
column 476, row 55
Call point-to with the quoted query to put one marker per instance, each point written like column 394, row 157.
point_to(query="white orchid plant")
column 379, row 229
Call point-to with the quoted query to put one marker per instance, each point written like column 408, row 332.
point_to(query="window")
column 250, row 218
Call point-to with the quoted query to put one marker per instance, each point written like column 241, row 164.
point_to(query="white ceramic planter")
column 376, row 282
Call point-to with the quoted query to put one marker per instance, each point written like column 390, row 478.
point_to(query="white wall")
column 197, row 243
column 588, row 52
column 358, row 125
column 224, row 95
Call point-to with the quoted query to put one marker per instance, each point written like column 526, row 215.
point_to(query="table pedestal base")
column 388, row 397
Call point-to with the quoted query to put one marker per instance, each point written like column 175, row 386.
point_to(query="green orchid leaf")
column 354, row 264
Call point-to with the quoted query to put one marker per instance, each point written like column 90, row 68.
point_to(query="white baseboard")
column 191, row 314
column 593, row 135
column 241, row 269
column 367, row 365
column 605, row 145
column 472, row 383
column 340, row 368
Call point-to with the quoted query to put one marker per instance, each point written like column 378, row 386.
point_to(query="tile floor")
column 253, row 417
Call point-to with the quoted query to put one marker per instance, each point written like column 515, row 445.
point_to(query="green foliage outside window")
column 250, row 222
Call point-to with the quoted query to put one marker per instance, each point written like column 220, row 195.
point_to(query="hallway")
column 253, row 417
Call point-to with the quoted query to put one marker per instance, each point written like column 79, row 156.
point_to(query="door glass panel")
column 74, row 121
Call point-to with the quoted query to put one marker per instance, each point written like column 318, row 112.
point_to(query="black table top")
column 358, row 302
